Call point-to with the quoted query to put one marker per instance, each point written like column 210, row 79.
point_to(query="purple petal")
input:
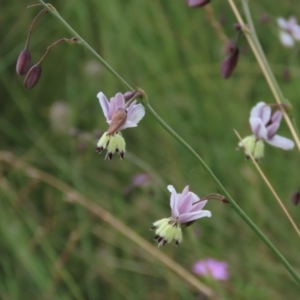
column 104, row 104
column 194, row 216
column 262, row 111
column 185, row 203
column 272, row 129
column 185, row 191
column 282, row 23
column 277, row 116
column 134, row 115
column 116, row 102
column 198, row 206
column 258, row 128
column 210, row 267
column 194, row 197
column 281, row 142
column 173, row 201
column 286, row 39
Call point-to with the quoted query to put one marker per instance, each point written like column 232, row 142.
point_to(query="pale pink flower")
column 119, row 115
column 185, row 208
column 135, row 112
column 212, row 268
column 264, row 126
column 289, row 31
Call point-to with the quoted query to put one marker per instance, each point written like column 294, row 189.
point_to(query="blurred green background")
column 52, row 249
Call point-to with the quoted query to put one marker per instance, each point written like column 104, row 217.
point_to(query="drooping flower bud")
column 32, row 76
column 196, row 3
column 296, row 198
column 128, row 95
column 118, row 119
column 23, row 62
column 229, row 63
column 237, row 27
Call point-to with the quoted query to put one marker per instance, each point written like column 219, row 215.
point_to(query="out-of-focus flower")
column 296, row 197
column 212, row 268
column 119, row 116
column 196, row 3
column 289, row 31
column 59, row 117
column 230, row 63
column 141, row 179
column 264, row 126
column 185, row 209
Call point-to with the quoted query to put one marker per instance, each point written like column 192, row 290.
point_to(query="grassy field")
column 54, row 248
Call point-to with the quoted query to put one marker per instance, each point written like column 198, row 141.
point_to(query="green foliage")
column 172, row 53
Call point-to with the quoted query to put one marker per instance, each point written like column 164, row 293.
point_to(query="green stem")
column 233, row 204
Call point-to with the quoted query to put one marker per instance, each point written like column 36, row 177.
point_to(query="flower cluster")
column 289, row 31
column 185, row 208
column 264, row 126
column 119, row 116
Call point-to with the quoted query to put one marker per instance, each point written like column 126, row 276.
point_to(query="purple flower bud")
column 237, row 27
column 264, row 19
column 196, row 3
column 296, row 198
column 128, row 95
column 229, row 63
column 23, row 62
column 32, row 76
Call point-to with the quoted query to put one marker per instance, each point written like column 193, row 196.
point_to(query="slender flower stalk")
column 234, row 205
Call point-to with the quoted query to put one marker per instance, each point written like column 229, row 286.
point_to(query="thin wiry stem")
column 269, row 185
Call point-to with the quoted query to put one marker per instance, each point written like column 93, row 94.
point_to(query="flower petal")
column 262, row 111
column 116, row 102
column 282, row 23
column 185, row 203
column 104, row 105
column 258, row 128
column 194, row 216
column 296, row 32
column 173, row 201
column 281, row 142
column 136, row 114
column 272, row 129
column 286, row 39
column 277, row 116
column 185, row 191
column 198, row 206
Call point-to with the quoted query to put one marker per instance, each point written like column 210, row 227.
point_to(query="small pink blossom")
column 289, row 31
column 185, row 208
column 264, row 126
column 135, row 112
column 212, row 268
column 119, row 115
